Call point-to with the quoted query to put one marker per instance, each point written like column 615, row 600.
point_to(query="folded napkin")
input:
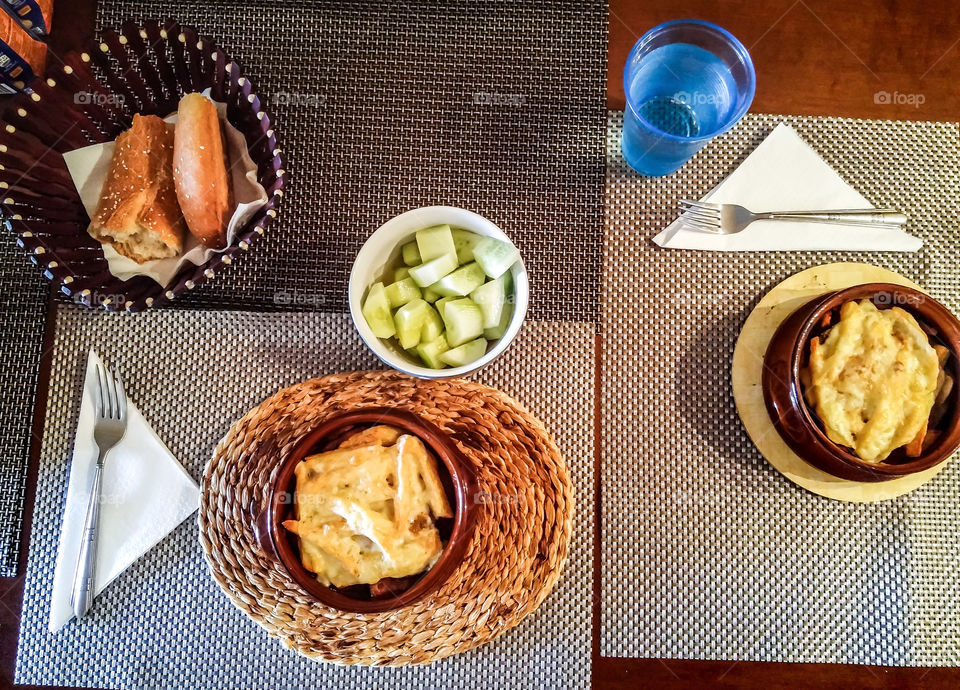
column 784, row 174
column 146, row 493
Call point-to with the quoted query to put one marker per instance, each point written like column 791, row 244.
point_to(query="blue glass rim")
column 734, row 42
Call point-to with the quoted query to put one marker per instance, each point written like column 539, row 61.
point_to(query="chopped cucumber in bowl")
column 376, row 310
column 464, row 321
column 461, row 282
column 401, row 292
column 435, row 269
column 446, row 295
column 465, row 354
column 494, row 256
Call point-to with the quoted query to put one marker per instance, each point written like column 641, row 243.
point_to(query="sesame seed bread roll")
column 138, row 212
column 200, row 171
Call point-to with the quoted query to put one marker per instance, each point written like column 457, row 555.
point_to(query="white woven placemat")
column 164, row 622
column 708, row 553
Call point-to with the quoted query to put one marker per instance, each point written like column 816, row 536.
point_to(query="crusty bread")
column 200, row 171
column 138, row 212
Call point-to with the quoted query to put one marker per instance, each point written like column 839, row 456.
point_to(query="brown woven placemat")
column 23, row 308
column 385, row 106
column 517, row 553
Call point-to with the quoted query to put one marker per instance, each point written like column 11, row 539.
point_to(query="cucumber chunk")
column 400, row 274
column 411, row 255
column 507, row 279
column 430, row 295
column 461, row 282
column 432, row 327
column 433, row 270
column 465, row 354
column 409, row 321
column 465, row 241
column 464, row 321
column 440, row 304
column 495, row 257
column 402, row 292
column 435, row 241
column 430, row 352
column 376, row 311
column 500, row 329
column 491, row 297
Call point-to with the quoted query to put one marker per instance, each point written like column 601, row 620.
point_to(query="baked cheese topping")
column 874, row 379
column 366, row 510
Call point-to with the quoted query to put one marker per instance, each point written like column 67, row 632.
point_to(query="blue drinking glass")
column 686, row 81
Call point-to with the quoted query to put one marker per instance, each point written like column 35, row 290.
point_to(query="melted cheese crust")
column 366, row 510
column 874, row 379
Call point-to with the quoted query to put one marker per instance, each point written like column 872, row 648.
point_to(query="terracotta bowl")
column 788, row 354
column 456, row 474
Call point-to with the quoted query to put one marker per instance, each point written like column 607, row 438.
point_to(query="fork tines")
column 700, row 215
column 111, row 402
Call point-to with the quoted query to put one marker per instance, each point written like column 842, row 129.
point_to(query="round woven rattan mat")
column 518, row 549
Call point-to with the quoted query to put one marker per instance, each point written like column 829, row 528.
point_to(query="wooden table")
column 813, row 57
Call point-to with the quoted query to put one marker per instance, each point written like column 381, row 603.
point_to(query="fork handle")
column 866, row 217
column 85, row 578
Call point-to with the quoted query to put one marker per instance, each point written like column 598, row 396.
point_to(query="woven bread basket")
column 521, row 540
column 90, row 98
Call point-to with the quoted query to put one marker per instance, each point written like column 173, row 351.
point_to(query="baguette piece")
column 138, row 212
column 200, row 171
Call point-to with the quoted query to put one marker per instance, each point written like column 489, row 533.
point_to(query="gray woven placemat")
column 726, row 559
column 384, row 106
column 164, row 622
column 23, row 308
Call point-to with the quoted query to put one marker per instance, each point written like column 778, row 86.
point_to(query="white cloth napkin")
column 784, row 174
column 146, row 494
column 88, row 168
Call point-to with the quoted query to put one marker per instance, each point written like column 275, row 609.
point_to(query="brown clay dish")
column 799, row 426
column 456, row 474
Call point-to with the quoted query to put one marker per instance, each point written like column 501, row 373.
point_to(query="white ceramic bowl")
column 382, row 250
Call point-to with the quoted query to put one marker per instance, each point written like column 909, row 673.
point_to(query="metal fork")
column 110, row 408
column 728, row 219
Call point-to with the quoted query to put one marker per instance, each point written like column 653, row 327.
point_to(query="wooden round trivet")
column 747, row 370
column 518, row 550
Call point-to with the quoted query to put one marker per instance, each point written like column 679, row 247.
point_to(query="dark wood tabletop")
column 822, row 57
column 890, row 59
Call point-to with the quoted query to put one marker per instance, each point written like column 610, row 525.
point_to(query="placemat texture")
column 164, row 622
column 23, row 307
column 385, row 106
column 725, row 558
